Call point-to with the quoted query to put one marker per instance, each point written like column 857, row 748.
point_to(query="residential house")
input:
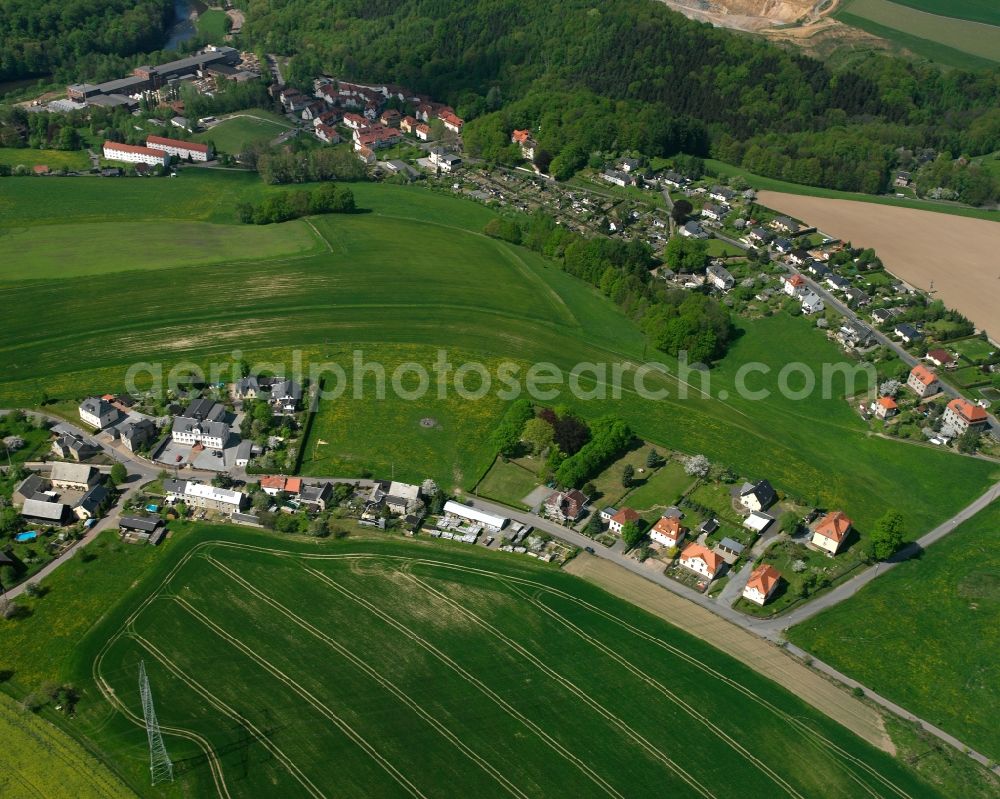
column 41, row 511
column 402, row 498
column 961, row 415
column 202, row 423
column 709, row 526
column 693, row 230
column 566, row 506
column 617, row 178
column 366, row 155
column 817, row 269
column 722, row 194
column 902, row 180
column 74, row 476
column 316, row 496
column 276, row 484
column 250, row 387
column 907, row 332
column 881, row 316
column 674, row 179
column 786, row 225
column 355, row 121
column 812, row 303
column 29, row 488
column 208, row 497
column 245, row 452
column 668, row 531
column 98, row 412
column 922, row 381
column 856, row 335
column 714, row 212
column 327, row 134
column 793, row 285
column 621, row 518
column 407, row 124
column 837, row 282
column 757, row 496
column 856, row 298
column 885, row 408
column 762, row 584
column 135, row 435
column 391, row 118
column 75, row 446
column 422, row 131
column 313, row 110
column 719, row 277
column 443, row 160
column 701, row 561
column 831, row 532
column 783, row 246
column 451, row 121
column 799, row 257
column 523, row 139
column 941, row 358
column 286, row 395
column 758, row 236
column 92, row 503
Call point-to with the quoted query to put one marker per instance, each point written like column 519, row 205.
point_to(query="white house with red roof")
column 451, row 120
column 355, row 121
column 134, row 154
column 885, row 407
column 196, row 151
column 962, row 415
column 793, row 285
column 668, row 531
column 326, row 133
column 762, row 584
column 701, row 561
column 923, row 381
column 422, row 131
column 941, row 358
column 621, row 518
column 832, row 531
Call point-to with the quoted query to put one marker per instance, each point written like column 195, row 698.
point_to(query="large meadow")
column 374, row 667
column 409, row 277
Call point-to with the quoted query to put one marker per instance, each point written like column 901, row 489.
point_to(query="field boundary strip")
column 475, row 681
column 400, row 694
column 570, row 686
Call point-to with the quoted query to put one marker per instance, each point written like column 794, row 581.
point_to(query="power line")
column 160, row 767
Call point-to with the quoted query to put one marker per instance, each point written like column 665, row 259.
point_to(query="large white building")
column 202, row 423
column 98, row 412
column 133, row 154
column 489, row 520
column 182, row 149
column 202, row 495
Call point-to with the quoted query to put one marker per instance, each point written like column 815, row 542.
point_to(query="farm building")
column 140, row 528
column 75, row 476
column 493, row 522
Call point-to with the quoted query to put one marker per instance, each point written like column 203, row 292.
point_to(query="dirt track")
column 758, row 654
column 960, row 256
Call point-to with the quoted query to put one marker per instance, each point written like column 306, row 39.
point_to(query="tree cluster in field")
column 289, row 165
column 506, row 435
column 674, row 319
column 70, row 38
column 609, row 437
column 634, row 74
column 282, row 206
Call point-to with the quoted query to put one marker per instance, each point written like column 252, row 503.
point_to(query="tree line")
column 674, row 320
column 282, row 206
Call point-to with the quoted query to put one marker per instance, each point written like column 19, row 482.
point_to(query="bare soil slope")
column 957, row 257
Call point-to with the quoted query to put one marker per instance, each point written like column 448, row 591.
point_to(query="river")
column 183, row 27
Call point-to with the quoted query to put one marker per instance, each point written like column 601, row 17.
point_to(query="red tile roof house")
column 922, row 381
column 451, row 121
column 407, row 124
column 941, row 358
column 701, row 561
column 668, row 531
column 762, row 584
column 566, row 506
column 275, row 484
column 885, row 407
column 831, row 532
column 620, row 519
column 960, row 415
column 196, row 151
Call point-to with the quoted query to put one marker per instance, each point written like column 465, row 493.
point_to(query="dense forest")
column 39, row 37
column 577, row 72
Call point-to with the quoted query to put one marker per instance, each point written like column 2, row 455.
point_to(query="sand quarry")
column 956, row 257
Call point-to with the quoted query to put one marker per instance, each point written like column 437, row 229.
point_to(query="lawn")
column 975, row 349
column 660, row 489
column 279, row 656
column 508, row 482
column 412, row 277
column 718, row 248
column 235, row 132
column 72, row 160
column 75, row 250
column 759, row 182
column 212, row 25
column 951, row 41
column 42, row 760
column 926, row 636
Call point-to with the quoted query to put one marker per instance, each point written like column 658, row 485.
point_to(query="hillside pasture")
column 280, row 657
column 54, row 159
column 979, row 40
column 925, row 635
column 412, row 277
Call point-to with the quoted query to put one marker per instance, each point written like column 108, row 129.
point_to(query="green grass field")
column 234, row 133
column 926, row 636
column 759, row 182
column 975, row 349
column 413, row 276
column 421, row 669
column 508, row 482
column 53, row 159
column 986, row 11
column 41, row 760
column 951, row 41
column 212, row 25
column 659, row 489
